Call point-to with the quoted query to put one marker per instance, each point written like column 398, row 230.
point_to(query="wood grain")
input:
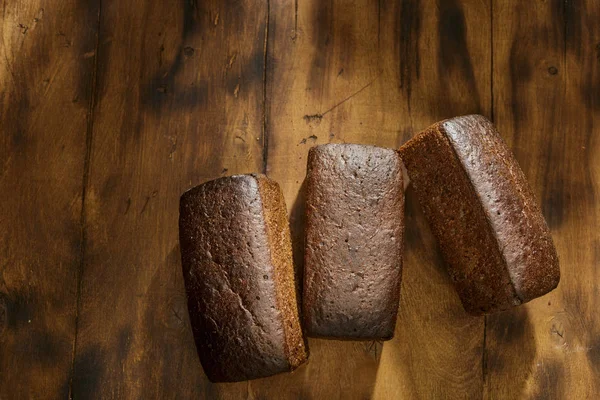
column 547, row 104
column 110, row 110
column 46, row 64
column 179, row 99
column 375, row 73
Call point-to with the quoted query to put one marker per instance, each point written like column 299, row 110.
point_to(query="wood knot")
column 188, row 51
column 553, row 70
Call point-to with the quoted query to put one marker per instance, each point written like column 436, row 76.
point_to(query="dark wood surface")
column 46, row 72
column 110, row 109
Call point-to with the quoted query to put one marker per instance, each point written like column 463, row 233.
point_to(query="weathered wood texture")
column 179, row 99
column 110, row 109
column 547, row 106
column 46, row 68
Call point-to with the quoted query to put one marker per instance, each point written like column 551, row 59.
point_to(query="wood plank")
column 180, row 101
column 46, row 65
column 374, row 73
column 547, row 106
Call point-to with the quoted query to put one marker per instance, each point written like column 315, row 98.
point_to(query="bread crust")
column 490, row 230
column 354, row 239
column 231, row 280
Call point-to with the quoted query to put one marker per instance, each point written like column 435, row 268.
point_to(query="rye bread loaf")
column 490, row 230
column 353, row 248
column 237, row 266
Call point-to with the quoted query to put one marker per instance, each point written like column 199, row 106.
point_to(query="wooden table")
column 110, row 109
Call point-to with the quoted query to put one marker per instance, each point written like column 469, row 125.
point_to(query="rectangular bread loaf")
column 487, row 222
column 353, row 253
column 237, row 266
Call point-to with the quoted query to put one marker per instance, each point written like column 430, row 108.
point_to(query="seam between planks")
column 492, row 116
column 85, row 178
column 492, row 60
column 265, row 133
column 484, row 371
column 483, row 359
column 565, row 31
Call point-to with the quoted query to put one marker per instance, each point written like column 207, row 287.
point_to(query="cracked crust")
column 489, row 228
column 353, row 253
column 234, row 280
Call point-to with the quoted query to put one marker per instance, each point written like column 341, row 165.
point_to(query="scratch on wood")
column 231, row 61
column 145, row 204
column 318, row 116
column 147, row 201
column 176, row 315
column 373, row 348
column 557, row 332
column 127, row 206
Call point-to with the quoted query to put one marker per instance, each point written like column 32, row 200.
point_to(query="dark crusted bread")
column 237, row 266
column 353, row 253
column 484, row 215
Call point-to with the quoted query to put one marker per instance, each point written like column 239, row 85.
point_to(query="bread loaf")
column 239, row 279
column 353, row 253
column 487, row 222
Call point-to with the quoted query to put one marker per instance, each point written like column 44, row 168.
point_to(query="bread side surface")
column 353, row 252
column 229, row 279
column 509, row 204
column 280, row 245
column 459, row 223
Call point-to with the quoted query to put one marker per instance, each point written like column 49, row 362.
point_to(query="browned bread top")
column 353, row 253
column 476, row 198
column 237, row 268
